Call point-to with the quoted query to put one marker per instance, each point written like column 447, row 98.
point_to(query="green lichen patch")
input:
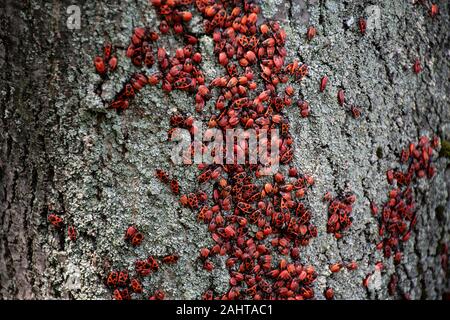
column 445, row 149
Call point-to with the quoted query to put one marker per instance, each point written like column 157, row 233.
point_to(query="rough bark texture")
column 61, row 147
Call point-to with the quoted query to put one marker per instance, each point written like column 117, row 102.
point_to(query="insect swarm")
column 244, row 50
column 257, row 225
column 397, row 216
column 339, row 214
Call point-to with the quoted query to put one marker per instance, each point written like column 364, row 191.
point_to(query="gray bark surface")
column 61, row 147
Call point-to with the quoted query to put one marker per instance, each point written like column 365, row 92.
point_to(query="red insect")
column 124, row 294
column 117, row 295
column 158, row 295
column 304, row 109
column 362, row 23
column 134, row 236
column 164, row 27
column 434, row 10
column 112, row 63
column 311, row 33
column 136, row 285
column 197, row 57
column 352, row 266
column 417, row 67
column 379, row 266
column 192, row 200
column 366, row 281
column 154, row 79
column 170, row 259
column 153, row 263
column 230, row 232
column 208, row 266
column 341, row 97
column 120, row 104
column 390, row 176
column 336, row 267
column 373, row 208
column 329, row 294
column 100, row 65
column 143, row 267
column 107, row 48
column 204, row 253
column 356, row 112
column 208, row 295
column 162, row 175
column 392, row 286
column 175, row 186
column 129, row 91
column 112, row 279
column 397, row 257
column 122, row 279
column 205, row 176
column 131, row 231
column 137, row 239
column 55, row 220
column 289, row 90
column 72, row 233
column 323, row 83
column 328, row 197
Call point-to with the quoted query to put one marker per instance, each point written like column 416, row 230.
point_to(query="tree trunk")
column 63, row 149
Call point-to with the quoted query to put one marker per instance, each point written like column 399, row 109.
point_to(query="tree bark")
column 61, row 148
